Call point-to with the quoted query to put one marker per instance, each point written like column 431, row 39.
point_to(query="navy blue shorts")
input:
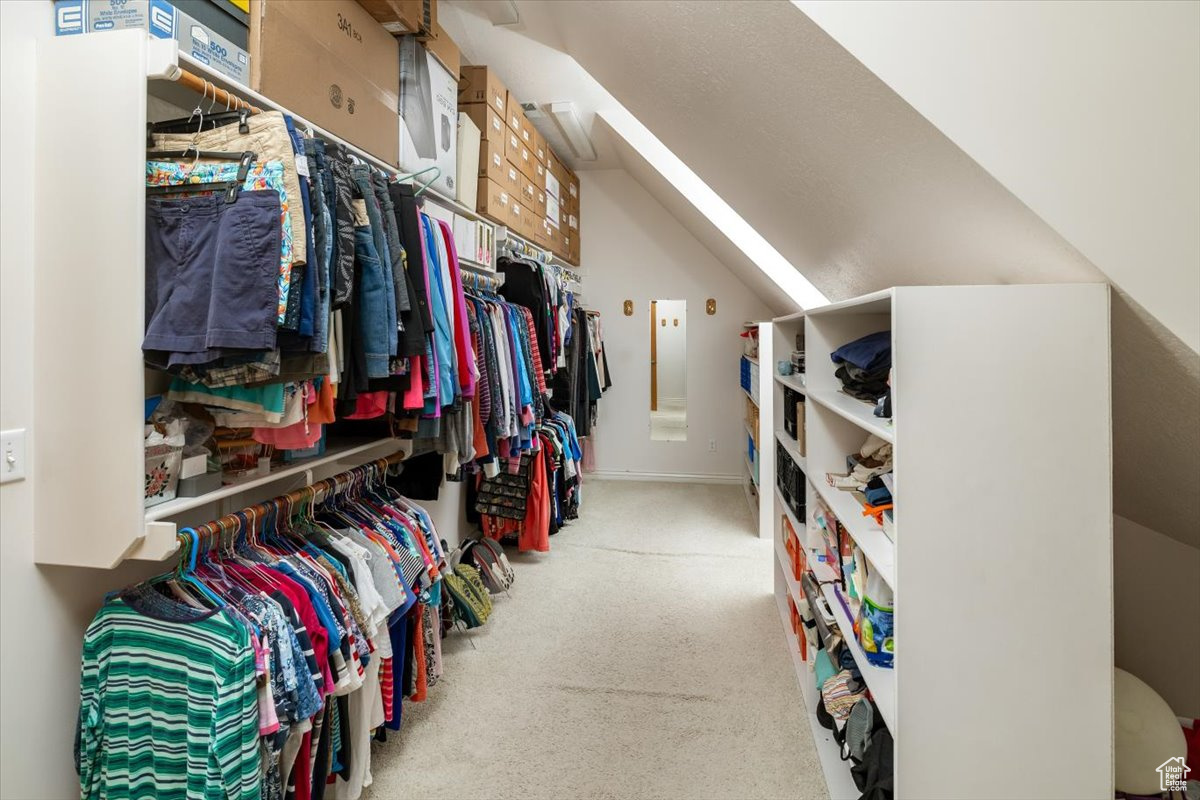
column 211, row 270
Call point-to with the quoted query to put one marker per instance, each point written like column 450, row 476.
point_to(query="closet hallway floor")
column 643, row 657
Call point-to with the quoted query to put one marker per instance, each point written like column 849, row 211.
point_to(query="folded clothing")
column 867, row 385
column 871, row 352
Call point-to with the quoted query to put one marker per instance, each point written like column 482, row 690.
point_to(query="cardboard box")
column 404, row 16
column 516, row 216
column 512, row 146
column 489, row 121
column 480, row 85
column 553, row 209
column 528, row 192
column 519, row 155
column 573, row 251
column 444, row 50
column 539, row 203
column 512, row 179
column 515, row 114
column 540, row 148
column 468, row 160
column 531, row 220
column 553, row 187
column 428, row 115
column 492, row 163
column 493, row 201
column 573, row 190
column 539, row 170
column 162, row 21
column 332, row 63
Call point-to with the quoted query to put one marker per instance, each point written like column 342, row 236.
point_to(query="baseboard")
column 663, row 477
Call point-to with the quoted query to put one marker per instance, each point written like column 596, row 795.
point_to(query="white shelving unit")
column 89, row 510
column 991, row 387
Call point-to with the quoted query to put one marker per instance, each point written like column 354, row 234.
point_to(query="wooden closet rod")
column 210, row 89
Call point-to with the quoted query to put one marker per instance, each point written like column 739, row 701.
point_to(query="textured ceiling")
column 853, row 186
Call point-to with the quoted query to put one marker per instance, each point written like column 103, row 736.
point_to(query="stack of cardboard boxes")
column 522, row 183
column 339, row 64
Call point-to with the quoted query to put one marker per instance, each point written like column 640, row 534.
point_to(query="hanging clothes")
column 274, row 655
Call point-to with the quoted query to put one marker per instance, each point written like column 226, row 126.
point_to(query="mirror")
column 668, row 370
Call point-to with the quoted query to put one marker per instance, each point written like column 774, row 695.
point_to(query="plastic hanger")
column 437, row 173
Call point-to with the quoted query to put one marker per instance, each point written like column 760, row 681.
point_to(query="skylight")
column 711, row 205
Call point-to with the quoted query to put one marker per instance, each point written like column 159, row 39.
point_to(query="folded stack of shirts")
column 863, row 366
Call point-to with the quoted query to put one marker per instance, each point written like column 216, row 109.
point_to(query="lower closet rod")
column 316, row 492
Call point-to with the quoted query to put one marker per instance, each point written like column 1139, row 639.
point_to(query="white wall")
column 633, row 249
column 672, row 350
column 1157, row 608
column 1088, row 112
column 43, row 611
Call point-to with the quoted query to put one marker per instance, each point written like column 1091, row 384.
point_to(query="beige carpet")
column 643, row 657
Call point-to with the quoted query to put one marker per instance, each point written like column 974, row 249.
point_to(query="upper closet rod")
column 220, row 96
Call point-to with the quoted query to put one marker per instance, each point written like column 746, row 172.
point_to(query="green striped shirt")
column 168, row 709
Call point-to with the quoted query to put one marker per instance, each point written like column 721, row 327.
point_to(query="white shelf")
column 749, row 468
column 793, row 381
column 856, row 411
column 753, row 399
column 793, row 449
column 455, row 206
column 878, row 548
column 332, row 454
column 791, row 515
column 881, row 681
column 793, row 585
column 1026, row 418
column 749, row 430
column 838, row 779
column 475, row 266
column 751, row 359
column 875, row 303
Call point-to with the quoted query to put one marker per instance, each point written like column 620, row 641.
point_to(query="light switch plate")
column 12, row 455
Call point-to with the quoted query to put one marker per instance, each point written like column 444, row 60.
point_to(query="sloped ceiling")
column 859, row 192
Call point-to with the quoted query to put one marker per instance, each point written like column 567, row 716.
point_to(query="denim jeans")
column 395, row 249
column 374, row 291
column 362, row 179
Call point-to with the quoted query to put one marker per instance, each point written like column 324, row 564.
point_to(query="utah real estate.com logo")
column 1172, row 775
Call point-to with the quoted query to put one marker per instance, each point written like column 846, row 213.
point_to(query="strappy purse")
column 494, row 568
column 472, row 605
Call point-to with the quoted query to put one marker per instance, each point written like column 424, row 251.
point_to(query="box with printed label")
column 489, row 121
column 468, row 160
column 540, row 149
column 516, row 217
column 493, row 201
column 332, row 63
column 533, row 221
column 480, row 85
column 492, row 164
column 512, row 146
column 539, row 203
column 520, row 156
column 528, row 192
column 511, row 179
column 162, row 21
column 428, row 115
column 404, row 16
column 515, row 116
column 553, row 188
column 552, row 209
